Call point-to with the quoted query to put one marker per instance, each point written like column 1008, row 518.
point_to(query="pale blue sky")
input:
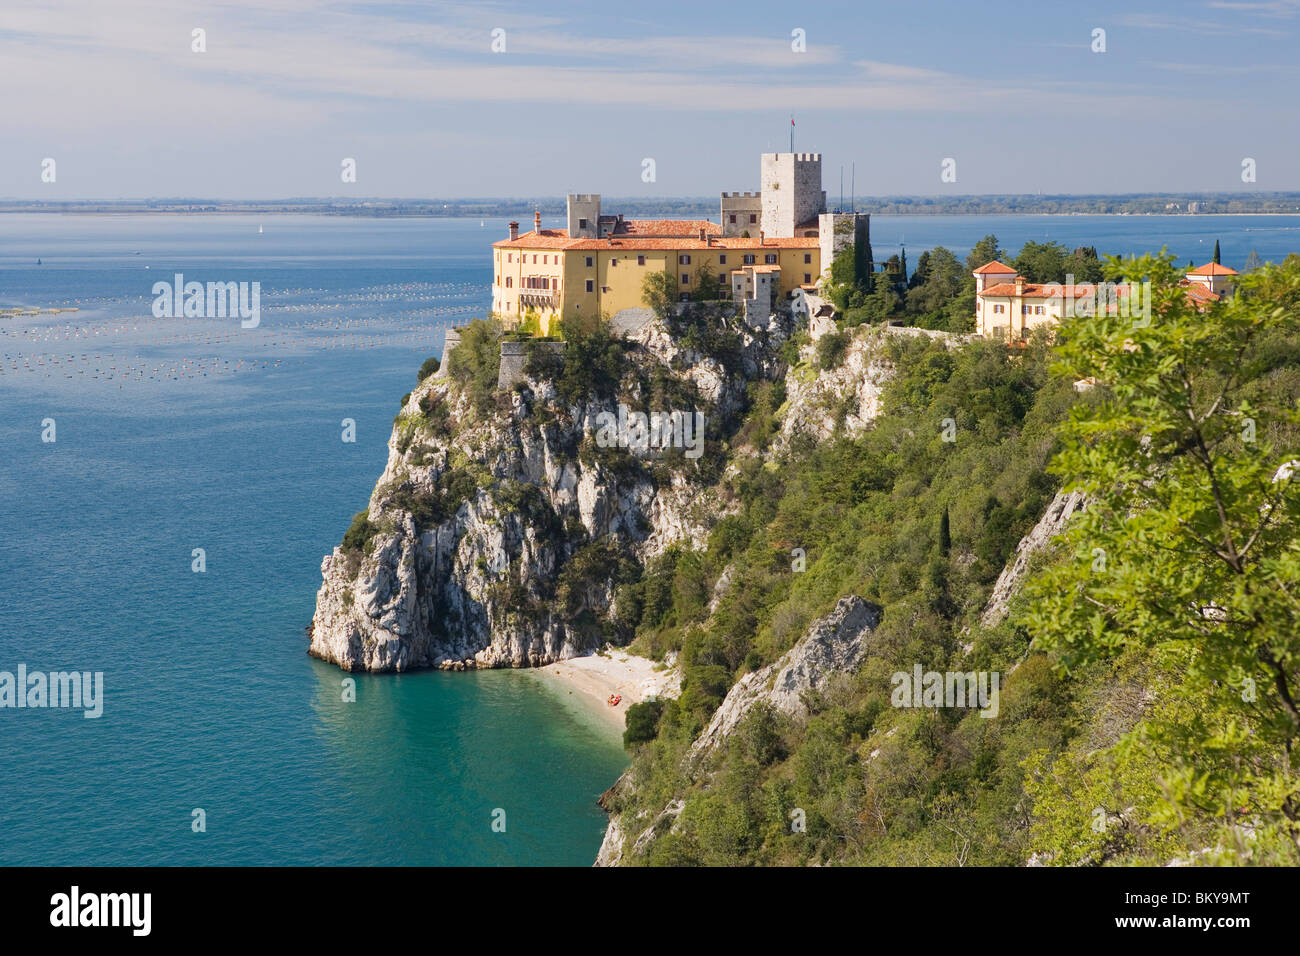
column 585, row 91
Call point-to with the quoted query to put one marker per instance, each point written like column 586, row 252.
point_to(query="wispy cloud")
column 1173, row 23
column 1269, row 8
column 1225, row 69
column 288, row 86
column 336, row 58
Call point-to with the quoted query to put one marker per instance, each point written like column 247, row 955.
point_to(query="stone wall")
column 513, row 357
column 453, row 340
column 838, row 230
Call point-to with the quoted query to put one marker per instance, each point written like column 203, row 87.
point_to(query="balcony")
column 538, row 299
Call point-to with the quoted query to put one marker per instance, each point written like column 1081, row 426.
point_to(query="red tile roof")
column 1199, row 293
column 667, row 228
column 558, row 239
column 546, row 239
column 623, row 229
column 1213, row 269
column 1035, row 290
column 995, row 267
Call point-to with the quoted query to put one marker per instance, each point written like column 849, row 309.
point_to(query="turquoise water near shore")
column 181, row 434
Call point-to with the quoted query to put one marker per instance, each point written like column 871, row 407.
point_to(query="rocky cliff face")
column 847, row 397
column 496, row 538
column 833, row 647
column 1053, row 522
column 483, row 539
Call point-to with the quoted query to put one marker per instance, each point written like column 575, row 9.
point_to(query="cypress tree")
column 1216, row 252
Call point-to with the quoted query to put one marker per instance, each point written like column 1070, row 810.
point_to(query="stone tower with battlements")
column 584, row 215
column 742, row 213
column 791, row 186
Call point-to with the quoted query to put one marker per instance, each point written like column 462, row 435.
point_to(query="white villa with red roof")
column 1008, row 307
column 1210, row 283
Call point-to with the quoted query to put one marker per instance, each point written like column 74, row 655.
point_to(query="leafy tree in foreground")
column 1188, row 555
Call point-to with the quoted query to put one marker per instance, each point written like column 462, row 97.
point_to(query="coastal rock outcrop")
column 499, row 532
column 833, row 647
column 1053, row 522
column 848, row 396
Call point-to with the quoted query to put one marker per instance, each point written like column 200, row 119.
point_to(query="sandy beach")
column 594, row 678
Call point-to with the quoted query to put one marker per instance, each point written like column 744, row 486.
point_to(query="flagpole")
column 792, row 134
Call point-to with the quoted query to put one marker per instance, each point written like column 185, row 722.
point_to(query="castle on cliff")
column 764, row 246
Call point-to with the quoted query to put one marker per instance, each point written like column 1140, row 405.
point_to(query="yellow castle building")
column 765, row 245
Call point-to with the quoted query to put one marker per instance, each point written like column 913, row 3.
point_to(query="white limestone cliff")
column 477, row 588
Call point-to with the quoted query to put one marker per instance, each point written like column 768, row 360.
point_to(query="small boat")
column 38, row 262
column 259, row 229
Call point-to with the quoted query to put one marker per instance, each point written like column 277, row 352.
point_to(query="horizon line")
column 561, row 197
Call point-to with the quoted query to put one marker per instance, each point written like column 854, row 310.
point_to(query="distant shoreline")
column 323, row 214
column 522, row 208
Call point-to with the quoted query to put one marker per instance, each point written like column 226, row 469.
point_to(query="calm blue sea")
column 175, row 434
column 230, row 440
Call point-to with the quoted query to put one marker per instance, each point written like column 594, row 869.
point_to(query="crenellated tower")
column 791, row 185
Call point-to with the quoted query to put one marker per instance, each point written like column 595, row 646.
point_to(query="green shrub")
column 360, row 533
column 832, row 348
column 642, row 722
column 437, row 417
column 791, row 347
column 594, row 363
column 541, row 363
column 476, row 362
